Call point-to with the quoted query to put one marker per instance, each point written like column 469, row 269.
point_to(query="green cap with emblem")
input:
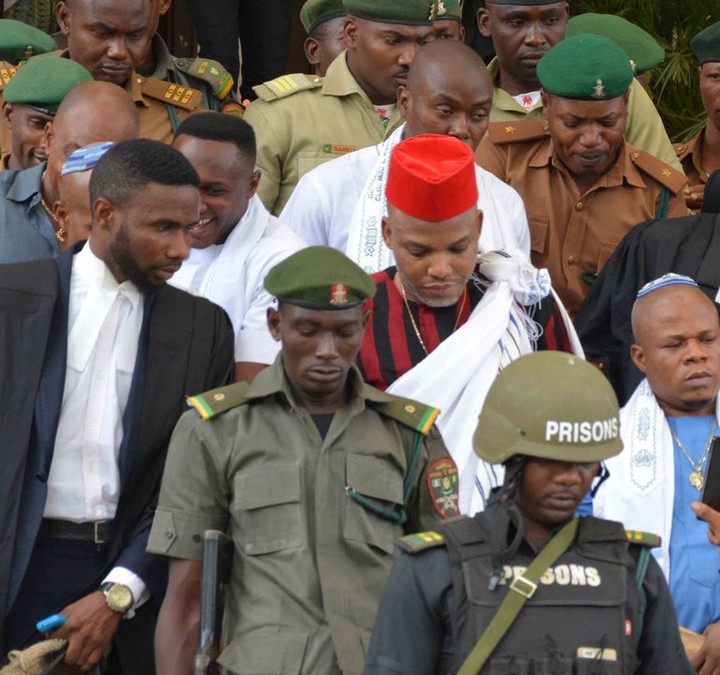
column 586, row 67
column 411, row 12
column 642, row 48
column 315, row 12
column 44, row 82
column 448, row 9
column 551, row 405
column 706, row 44
column 19, row 41
column 319, row 277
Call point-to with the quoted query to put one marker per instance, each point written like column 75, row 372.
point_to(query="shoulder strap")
column 521, row 589
column 670, row 178
column 286, row 85
column 211, row 403
column 170, row 93
column 516, row 131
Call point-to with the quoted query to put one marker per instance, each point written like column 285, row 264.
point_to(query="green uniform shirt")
column 309, row 561
column 644, row 129
column 308, row 120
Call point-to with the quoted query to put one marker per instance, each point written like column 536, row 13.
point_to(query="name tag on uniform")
column 597, row 653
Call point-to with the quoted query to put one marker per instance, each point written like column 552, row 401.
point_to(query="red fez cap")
column 432, row 177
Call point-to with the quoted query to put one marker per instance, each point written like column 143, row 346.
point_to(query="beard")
column 123, row 260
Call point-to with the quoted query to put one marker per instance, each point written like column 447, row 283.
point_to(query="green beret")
column 43, row 82
column 319, row 277
column 448, row 9
column 706, row 44
column 639, row 45
column 411, row 12
column 315, row 12
column 585, row 67
column 19, row 42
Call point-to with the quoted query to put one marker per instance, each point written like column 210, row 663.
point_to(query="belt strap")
column 99, row 531
column 521, row 589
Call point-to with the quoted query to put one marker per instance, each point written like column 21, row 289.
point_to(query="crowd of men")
column 374, row 327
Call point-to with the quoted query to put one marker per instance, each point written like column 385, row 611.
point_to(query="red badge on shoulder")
column 338, row 294
column 442, row 482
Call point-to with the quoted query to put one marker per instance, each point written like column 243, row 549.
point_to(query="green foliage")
column 674, row 84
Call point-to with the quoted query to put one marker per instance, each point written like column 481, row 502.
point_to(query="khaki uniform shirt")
column 693, row 157
column 644, row 128
column 302, row 121
column 573, row 234
column 310, row 561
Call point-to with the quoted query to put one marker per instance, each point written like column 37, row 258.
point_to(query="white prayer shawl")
column 365, row 243
column 456, row 376
column 641, row 488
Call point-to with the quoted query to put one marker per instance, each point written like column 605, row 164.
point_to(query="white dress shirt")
column 104, row 323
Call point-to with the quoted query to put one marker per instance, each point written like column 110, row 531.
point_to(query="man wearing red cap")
column 443, row 321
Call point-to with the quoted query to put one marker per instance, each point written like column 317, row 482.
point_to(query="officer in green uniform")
column 313, row 473
column 448, row 20
column 324, row 23
column 18, row 42
column 525, row 586
column 301, row 120
column 32, row 98
column 522, row 31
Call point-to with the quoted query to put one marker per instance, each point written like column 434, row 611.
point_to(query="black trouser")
column 263, row 27
column 60, row 572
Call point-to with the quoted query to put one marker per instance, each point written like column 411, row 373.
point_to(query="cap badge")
column 599, row 89
column 433, row 11
column 338, row 294
column 441, row 9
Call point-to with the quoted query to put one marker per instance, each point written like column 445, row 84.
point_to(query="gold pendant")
column 697, row 480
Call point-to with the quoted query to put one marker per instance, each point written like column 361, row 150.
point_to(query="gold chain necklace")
column 697, row 480
column 412, row 318
column 60, row 232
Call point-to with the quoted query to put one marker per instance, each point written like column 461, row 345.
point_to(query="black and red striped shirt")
column 391, row 347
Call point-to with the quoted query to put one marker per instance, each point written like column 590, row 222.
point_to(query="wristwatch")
column 119, row 598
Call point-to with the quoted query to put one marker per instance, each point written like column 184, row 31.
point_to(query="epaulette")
column 212, row 403
column 663, row 173
column 7, row 72
column 417, row 416
column 682, row 150
column 168, row 92
column 502, row 133
column 213, row 72
column 643, row 538
column 414, row 543
column 286, row 85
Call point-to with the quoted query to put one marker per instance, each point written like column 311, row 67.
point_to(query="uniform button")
column 410, row 409
column 635, row 155
column 571, row 260
column 579, row 206
column 169, row 534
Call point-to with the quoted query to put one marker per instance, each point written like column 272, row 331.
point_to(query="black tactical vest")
column 582, row 619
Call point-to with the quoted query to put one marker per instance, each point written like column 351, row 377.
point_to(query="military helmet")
column 551, row 405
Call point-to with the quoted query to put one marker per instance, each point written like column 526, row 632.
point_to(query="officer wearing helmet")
column 526, row 586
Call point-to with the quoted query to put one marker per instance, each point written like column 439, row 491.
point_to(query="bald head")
column 448, row 91
column 677, row 347
column 92, row 112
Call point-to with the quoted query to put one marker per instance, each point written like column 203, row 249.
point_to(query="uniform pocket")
column 267, row 508
column 375, row 479
column 539, row 226
column 255, row 654
column 307, row 161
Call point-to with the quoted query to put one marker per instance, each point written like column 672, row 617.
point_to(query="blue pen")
column 50, row 623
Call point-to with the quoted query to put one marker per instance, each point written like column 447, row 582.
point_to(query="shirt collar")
column 95, row 273
column 339, row 81
column 26, row 184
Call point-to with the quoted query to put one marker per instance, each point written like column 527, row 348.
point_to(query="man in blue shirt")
column 668, row 428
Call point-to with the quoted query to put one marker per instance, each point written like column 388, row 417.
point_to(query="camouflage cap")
column 551, row 405
column 411, row 12
column 642, row 48
column 315, row 12
column 706, row 44
column 448, row 9
column 19, row 41
column 585, row 67
column 44, row 82
column 319, row 277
